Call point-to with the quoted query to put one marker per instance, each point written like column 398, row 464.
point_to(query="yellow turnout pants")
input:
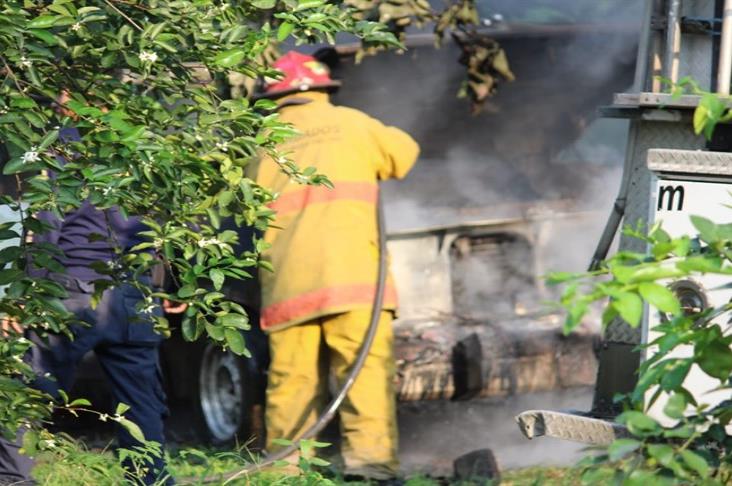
column 302, row 357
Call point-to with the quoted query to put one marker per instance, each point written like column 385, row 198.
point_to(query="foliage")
column 689, row 445
column 141, row 82
column 485, row 61
column 712, row 109
column 73, row 464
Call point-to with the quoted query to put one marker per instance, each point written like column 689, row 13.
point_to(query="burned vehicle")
column 496, row 201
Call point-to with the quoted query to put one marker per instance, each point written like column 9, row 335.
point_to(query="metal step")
column 658, row 100
column 690, row 162
column 572, row 426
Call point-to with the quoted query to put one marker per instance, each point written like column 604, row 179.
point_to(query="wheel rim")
column 221, row 392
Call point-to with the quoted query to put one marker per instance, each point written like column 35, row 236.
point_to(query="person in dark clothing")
column 122, row 336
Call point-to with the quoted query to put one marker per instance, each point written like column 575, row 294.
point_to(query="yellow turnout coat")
column 325, row 247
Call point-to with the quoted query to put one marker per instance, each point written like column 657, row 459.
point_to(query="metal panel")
column 619, row 338
column 690, row 161
column 649, row 135
column 696, row 51
column 419, row 268
column 675, row 200
column 569, row 426
column 653, row 100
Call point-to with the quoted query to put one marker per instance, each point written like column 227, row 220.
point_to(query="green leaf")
column 264, row 4
column 42, row 22
column 608, row 315
column 306, row 4
column 638, row 423
column 213, row 217
column 121, row 408
column 648, row 274
column 708, row 114
column 189, row 327
column 217, row 277
column 15, row 166
column 9, row 254
column 715, row 359
column 696, row 462
column 630, row 307
column 10, row 275
column 45, row 36
column 676, row 406
column 6, row 234
column 703, row 264
column 216, row 332
column 282, row 442
column 80, row 402
column 706, row 228
column 663, row 453
column 235, row 341
column 239, row 321
column 186, row 291
column 133, row 429
column 555, row 278
column 675, row 376
column 133, row 134
column 660, row 297
column 31, row 438
column 230, row 58
column 682, row 432
column 46, row 142
column 574, row 316
column 284, row 30
column 622, row 447
column 316, row 461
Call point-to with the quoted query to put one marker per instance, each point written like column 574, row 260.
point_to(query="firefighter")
column 117, row 331
column 316, row 305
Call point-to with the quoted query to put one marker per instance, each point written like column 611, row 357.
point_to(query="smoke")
column 538, row 149
column 458, row 427
column 537, row 153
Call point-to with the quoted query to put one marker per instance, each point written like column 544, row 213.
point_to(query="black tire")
column 223, row 395
column 210, row 393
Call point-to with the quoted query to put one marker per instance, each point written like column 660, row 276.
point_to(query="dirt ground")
column 433, row 434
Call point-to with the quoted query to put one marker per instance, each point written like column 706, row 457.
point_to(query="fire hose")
column 329, row 412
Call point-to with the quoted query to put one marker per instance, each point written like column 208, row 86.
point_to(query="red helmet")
column 301, row 73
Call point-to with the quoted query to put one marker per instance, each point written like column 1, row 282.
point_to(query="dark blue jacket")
column 89, row 235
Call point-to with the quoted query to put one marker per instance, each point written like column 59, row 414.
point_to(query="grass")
column 73, row 464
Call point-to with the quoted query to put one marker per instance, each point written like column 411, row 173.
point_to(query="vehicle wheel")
column 214, row 395
column 222, row 395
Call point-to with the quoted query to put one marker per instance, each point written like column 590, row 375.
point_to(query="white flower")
column 158, row 243
column 76, row 27
column 49, row 443
column 25, row 62
column 113, row 265
column 223, row 146
column 203, row 242
column 148, row 309
column 30, row 156
column 146, row 56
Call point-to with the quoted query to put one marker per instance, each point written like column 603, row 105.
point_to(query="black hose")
column 363, row 352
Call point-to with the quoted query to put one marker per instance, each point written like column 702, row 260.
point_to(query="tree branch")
column 113, row 7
